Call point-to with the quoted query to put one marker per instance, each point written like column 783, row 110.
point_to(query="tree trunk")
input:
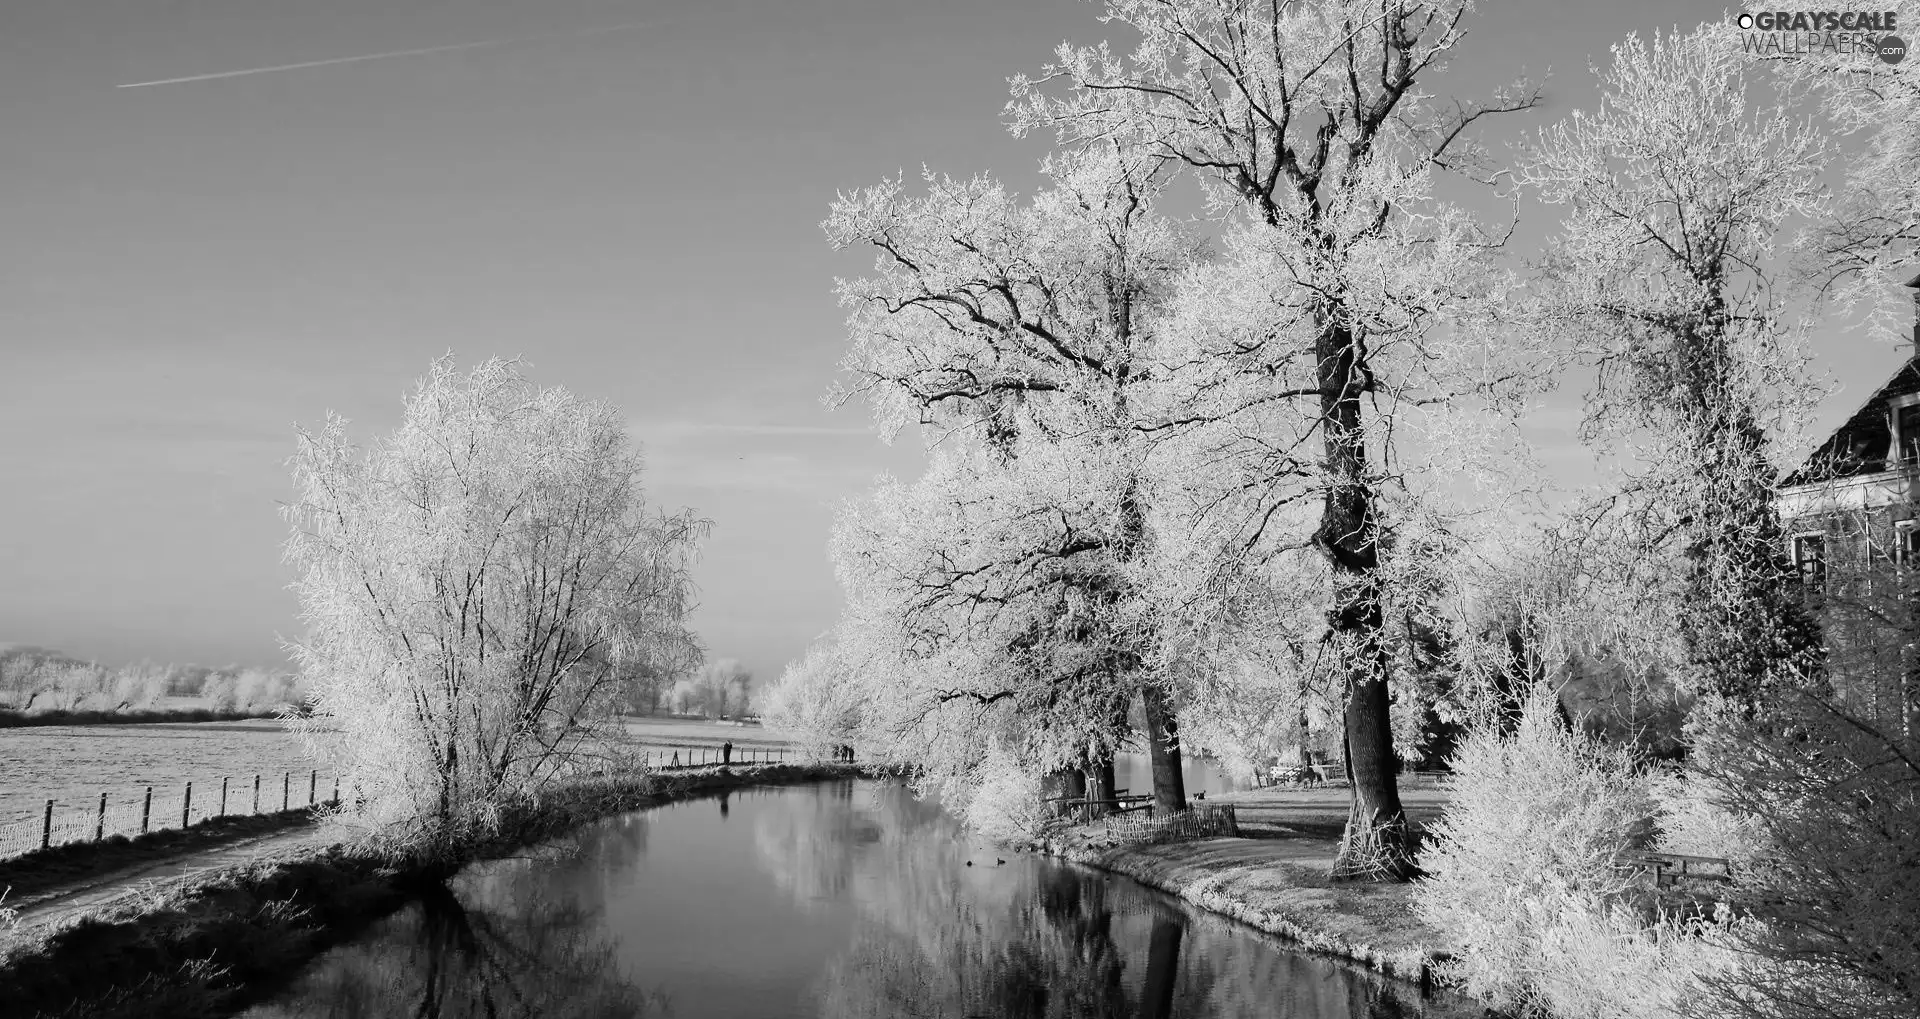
column 1376, row 846
column 1163, row 749
column 1100, row 786
column 1303, row 756
column 1062, row 788
column 1163, row 967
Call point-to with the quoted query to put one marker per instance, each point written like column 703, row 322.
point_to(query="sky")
column 626, row 195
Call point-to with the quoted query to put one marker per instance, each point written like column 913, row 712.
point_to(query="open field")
column 73, row 765
column 696, row 732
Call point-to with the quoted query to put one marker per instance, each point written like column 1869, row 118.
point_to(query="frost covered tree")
column 1676, row 187
column 819, row 700
column 1314, row 350
column 1024, row 328
column 1830, row 803
column 1869, row 241
column 717, row 689
column 986, row 623
column 471, row 586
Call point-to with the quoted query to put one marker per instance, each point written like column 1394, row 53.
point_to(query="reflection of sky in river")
column 836, row 900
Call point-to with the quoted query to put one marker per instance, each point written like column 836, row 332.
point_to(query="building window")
column 1906, row 425
column 1810, row 558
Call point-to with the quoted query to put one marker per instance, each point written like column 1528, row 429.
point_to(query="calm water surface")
column 850, row 899
column 1133, row 771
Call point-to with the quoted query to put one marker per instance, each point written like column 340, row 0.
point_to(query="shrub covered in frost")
column 1534, row 822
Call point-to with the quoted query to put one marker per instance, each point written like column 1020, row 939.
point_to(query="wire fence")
column 165, row 807
column 663, row 757
column 63, row 822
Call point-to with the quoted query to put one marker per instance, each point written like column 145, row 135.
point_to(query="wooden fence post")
column 223, row 797
column 256, row 792
column 313, row 780
column 286, row 789
column 186, row 805
column 100, row 822
column 336, row 790
column 146, row 810
column 46, row 827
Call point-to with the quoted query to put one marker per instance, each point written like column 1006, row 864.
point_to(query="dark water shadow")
column 449, row 956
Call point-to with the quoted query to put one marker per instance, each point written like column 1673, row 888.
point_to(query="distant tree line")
column 37, row 680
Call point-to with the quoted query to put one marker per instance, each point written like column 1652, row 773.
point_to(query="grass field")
column 696, row 732
column 73, row 765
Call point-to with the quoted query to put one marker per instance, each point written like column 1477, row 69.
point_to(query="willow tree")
column 1021, row 326
column 472, row 587
column 1314, row 338
column 1677, row 188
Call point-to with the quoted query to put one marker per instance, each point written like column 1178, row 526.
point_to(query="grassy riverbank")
column 213, row 944
column 30, row 873
column 1275, row 879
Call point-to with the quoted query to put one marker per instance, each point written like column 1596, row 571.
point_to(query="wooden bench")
column 1668, row 868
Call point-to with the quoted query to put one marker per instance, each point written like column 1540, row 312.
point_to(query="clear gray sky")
column 189, row 269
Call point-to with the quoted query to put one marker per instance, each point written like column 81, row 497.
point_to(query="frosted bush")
column 1531, row 830
column 1608, row 962
column 1007, row 803
column 1694, row 822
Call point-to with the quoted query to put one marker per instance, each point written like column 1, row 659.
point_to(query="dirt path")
column 54, row 905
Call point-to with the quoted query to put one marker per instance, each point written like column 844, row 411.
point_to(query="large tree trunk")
column 1163, row 749
column 1377, row 845
column 1163, row 967
column 1100, row 787
column 1062, row 788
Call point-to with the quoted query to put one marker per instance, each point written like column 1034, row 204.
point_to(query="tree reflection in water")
column 530, row 945
column 1031, row 939
column 844, row 900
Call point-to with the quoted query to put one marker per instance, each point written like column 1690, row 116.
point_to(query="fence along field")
column 75, row 765
column 159, row 808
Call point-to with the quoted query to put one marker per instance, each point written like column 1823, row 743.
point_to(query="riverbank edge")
column 223, row 940
column 35, row 873
column 13, row 719
column 1199, row 885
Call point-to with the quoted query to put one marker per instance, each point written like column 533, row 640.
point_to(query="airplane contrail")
column 377, row 56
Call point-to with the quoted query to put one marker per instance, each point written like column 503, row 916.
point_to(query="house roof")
column 1861, row 443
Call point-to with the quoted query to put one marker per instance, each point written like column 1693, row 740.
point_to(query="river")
column 846, row 899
